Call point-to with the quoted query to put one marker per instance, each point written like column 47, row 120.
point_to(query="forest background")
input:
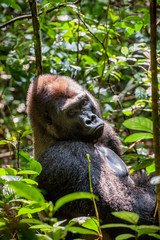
column 105, row 46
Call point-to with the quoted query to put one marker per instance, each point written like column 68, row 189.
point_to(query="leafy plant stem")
column 94, row 201
column 18, row 148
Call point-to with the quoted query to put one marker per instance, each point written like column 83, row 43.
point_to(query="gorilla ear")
column 47, row 118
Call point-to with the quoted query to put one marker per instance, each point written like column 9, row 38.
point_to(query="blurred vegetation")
column 105, row 46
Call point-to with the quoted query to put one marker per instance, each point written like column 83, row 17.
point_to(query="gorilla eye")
column 72, row 112
column 47, row 118
column 84, row 101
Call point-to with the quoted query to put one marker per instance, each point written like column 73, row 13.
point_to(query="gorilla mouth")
column 97, row 132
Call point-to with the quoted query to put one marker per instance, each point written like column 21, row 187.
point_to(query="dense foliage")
column 105, row 45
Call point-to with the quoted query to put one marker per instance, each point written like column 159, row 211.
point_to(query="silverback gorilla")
column 67, row 125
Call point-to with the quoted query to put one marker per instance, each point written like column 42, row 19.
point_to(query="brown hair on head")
column 57, row 85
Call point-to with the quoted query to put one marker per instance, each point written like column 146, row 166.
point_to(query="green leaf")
column 35, row 166
column 127, row 112
column 133, row 18
column 29, row 181
column 81, row 230
column 124, row 25
column 68, row 35
column 129, row 31
column 71, row 197
column 43, row 237
column 26, row 191
column 2, row 171
column 92, row 224
column 125, row 50
column 113, row 17
column 26, row 133
column 88, row 59
column 4, row 142
column 11, row 171
column 12, row 4
column 151, row 168
column 138, row 26
column 41, row 227
column 125, row 236
column 147, row 229
column 30, row 221
column 138, row 136
column 118, row 225
column 127, row 216
column 143, row 164
column 24, row 157
column 27, row 172
column 146, row 19
column 34, row 209
column 155, row 235
column 139, row 123
column 3, row 223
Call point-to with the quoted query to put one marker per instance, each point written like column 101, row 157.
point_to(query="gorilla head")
column 60, row 109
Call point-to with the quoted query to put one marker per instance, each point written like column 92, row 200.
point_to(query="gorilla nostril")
column 88, row 122
column 93, row 117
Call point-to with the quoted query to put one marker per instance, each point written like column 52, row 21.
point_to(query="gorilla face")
column 76, row 118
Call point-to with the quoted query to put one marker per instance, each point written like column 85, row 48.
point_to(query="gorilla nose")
column 90, row 119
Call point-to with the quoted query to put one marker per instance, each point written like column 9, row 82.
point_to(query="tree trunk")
column 155, row 97
column 37, row 37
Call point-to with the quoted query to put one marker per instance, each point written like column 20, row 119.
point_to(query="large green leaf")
column 138, row 136
column 133, row 18
column 71, row 197
column 8, row 171
column 154, row 235
column 120, row 225
column 35, row 166
column 92, row 224
column 125, row 236
column 127, row 216
column 81, row 230
column 34, row 209
column 24, row 157
column 139, row 123
column 26, row 191
column 145, row 229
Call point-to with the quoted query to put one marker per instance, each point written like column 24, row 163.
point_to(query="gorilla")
column 67, row 125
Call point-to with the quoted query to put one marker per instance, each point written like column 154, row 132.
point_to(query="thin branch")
column 90, row 31
column 15, row 19
column 78, row 42
column 105, row 53
column 29, row 16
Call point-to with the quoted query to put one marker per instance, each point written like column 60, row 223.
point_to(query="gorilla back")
column 67, row 125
